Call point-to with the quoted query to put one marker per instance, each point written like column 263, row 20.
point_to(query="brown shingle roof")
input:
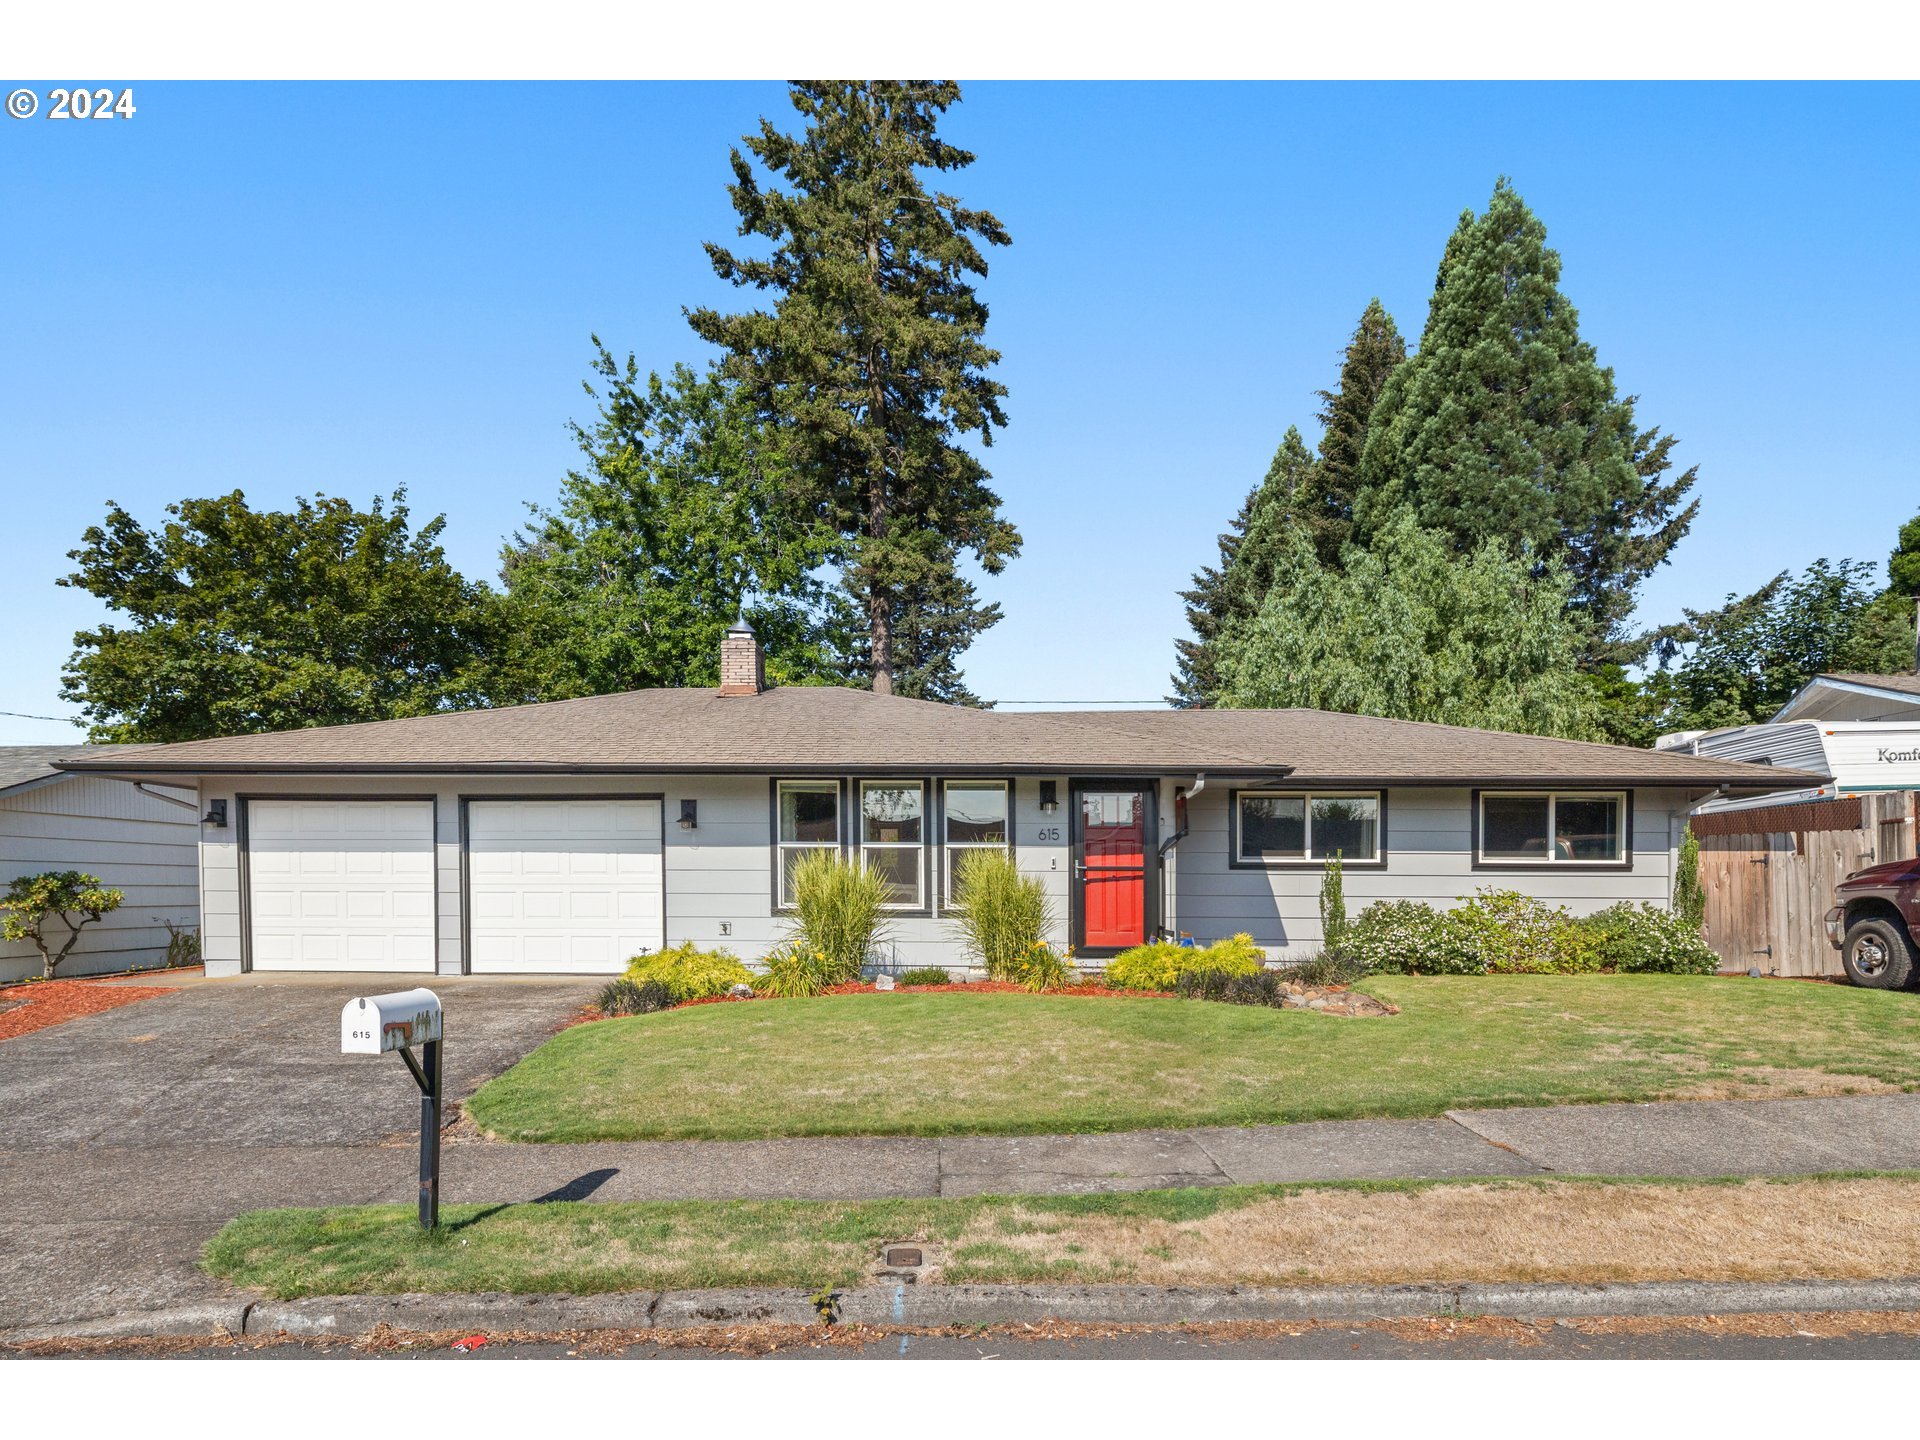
column 803, row 729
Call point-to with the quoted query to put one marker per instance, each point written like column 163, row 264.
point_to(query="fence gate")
column 1769, row 874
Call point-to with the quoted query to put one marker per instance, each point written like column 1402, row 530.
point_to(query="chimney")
column 742, row 670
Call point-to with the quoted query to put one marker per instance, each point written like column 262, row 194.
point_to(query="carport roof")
column 827, row 730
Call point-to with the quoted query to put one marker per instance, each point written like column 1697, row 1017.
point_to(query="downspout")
column 1180, row 798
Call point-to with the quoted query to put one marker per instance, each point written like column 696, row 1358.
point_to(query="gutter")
column 1180, row 799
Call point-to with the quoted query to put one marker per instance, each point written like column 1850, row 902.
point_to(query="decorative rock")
column 1319, row 1002
column 741, row 992
column 883, row 982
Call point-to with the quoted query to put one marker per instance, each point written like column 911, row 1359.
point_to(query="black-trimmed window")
column 1552, row 827
column 893, row 835
column 809, row 820
column 1297, row 827
column 974, row 815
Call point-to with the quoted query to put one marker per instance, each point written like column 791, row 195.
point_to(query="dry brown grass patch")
column 1492, row 1232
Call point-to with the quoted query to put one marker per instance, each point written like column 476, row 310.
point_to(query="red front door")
column 1110, row 867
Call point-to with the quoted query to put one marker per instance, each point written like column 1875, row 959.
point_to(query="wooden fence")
column 1769, row 874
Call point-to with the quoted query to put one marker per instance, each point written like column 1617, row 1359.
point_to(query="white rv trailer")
column 1861, row 756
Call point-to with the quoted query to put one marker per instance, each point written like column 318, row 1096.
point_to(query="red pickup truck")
column 1875, row 916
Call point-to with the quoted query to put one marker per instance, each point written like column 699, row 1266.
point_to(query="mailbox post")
column 375, row 1024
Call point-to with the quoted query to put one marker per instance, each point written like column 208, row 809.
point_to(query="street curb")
column 933, row 1306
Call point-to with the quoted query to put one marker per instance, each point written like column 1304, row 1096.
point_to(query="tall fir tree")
column 1373, row 353
column 1505, row 426
column 1233, row 589
column 871, row 360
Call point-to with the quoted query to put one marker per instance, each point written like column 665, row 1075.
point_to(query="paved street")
column 128, row 1138
column 1749, row 1338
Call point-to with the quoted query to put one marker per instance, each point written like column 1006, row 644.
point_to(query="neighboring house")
column 566, row 837
column 140, row 841
column 1860, row 732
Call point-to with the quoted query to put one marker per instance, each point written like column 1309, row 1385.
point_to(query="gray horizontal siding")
column 719, row 873
column 1429, row 858
column 132, row 841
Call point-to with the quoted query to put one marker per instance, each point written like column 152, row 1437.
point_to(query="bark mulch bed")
column 41, row 1003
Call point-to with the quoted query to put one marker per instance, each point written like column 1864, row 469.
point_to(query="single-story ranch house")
column 566, row 837
column 139, row 840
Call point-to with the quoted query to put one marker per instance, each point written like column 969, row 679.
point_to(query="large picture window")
column 1553, row 828
column 893, row 836
column 974, row 814
column 809, row 820
column 1288, row 827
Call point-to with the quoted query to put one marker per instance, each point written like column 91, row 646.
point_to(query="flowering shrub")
column 1644, row 939
column 1407, row 937
column 1041, row 967
column 1160, row 965
column 794, row 972
column 690, row 973
column 1513, row 934
column 1502, row 932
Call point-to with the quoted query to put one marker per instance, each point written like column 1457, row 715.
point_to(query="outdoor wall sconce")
column 1049, row 796
column 689, row 814
column 216, row 815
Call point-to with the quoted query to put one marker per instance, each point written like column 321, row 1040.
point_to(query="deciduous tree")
column 241, row 620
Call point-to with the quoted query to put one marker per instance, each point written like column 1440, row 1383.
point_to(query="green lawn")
column 939, row 1064
column 1582, row 1230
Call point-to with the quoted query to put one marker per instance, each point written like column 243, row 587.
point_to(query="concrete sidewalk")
column 98, row 1230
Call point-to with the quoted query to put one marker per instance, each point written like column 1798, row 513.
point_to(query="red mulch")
column 54, row 1002
column 977, row 987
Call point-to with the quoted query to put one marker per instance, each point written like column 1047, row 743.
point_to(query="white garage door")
column 340, row 884
column 563, row 886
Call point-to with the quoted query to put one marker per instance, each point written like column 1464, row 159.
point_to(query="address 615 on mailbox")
column 375, row 1024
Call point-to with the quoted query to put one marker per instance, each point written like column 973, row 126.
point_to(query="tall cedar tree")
column 241, row 620
column 1232, row 590
column 679, row 520
column 1374, row 352
column 1505, row 426
column 871, row 359
column 935, row 618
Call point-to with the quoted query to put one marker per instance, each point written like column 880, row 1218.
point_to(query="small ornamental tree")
column 1333, row 905
column 1689, row 900
column 34, row 900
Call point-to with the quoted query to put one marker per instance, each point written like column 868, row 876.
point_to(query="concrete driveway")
column 128, row 1138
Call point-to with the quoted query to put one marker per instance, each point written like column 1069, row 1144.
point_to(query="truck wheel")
column 1877, row 954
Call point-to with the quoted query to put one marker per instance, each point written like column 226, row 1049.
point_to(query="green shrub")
column 1510, row 933
column 624, row 997
column 1333, row 905
column 1160, row 965
column 689, row 973
column 794, row 973
column 1041, row 968
column 1644, row 939
column 1001, row 914
column 839, row 910
column 1409, row 937
column 925, row 975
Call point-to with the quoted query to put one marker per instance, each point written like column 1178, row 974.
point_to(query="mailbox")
column 375, row 1024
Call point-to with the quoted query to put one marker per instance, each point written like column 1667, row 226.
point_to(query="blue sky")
column 290, row 288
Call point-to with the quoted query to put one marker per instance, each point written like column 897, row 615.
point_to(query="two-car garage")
column 545, row 886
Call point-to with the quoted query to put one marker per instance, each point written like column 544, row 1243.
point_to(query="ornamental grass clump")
column 625, row 997
column 1041, row 968
column 839, row 912
column 1002, row 915
column 687, row 972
